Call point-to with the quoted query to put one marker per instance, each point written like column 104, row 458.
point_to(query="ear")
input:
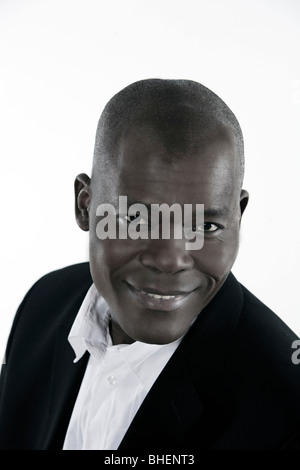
column 244, row 199
column 82, row 200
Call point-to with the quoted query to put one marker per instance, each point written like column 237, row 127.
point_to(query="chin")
column 156, row 337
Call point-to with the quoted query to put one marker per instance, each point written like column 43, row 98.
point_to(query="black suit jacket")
column 231, row 384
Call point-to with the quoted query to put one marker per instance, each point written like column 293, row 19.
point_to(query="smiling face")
column 156, row 288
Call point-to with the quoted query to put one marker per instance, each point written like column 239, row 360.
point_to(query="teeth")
column 164, row 297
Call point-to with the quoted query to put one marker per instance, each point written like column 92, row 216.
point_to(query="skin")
column 145, row 171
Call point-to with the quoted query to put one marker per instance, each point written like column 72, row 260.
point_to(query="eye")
column 136, row 218
column 207, row 227
column 210, row 227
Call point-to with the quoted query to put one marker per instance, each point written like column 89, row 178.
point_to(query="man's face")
column 155, row 288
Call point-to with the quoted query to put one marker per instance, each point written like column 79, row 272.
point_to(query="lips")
column 159, row 300
column 156, row 296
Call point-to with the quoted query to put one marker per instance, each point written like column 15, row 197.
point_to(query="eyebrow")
column 216, row 212
column 212, row 212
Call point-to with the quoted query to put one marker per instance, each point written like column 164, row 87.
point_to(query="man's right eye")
column 131, row 218
column 136, row 218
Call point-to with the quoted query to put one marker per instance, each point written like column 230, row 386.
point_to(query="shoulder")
column 59, row 287
column 67, row 276
column 263, row 345
column 263, row 380
column 260, row 322
column 59, row 284
column 52, row 301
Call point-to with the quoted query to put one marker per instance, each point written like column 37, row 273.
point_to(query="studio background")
column 62, row 60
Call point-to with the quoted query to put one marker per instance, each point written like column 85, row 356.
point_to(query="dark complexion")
column 125, row 272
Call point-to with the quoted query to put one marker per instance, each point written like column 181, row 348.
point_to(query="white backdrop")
column 60, row 62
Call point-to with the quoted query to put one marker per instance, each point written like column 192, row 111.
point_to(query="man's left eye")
column 208, row 227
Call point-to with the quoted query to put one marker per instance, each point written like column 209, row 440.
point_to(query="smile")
column 156, row 300
column 156, row 296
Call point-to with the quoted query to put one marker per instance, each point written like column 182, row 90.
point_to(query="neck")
column 118, row 336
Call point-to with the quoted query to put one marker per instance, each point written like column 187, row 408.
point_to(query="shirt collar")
column 90, row 330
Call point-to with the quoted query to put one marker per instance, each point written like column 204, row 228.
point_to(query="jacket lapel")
column 185, row 395
column 65, row 382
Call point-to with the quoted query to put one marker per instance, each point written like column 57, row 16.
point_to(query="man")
column 171, row 352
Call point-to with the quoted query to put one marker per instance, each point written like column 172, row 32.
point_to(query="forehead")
column 146, row 168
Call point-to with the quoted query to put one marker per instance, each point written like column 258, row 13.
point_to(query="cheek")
column 217, row 256
column 108, row 257
column 105, row 257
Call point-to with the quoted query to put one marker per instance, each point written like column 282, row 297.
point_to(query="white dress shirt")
column 116, row 381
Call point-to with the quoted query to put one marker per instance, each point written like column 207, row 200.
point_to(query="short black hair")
column 175, row 108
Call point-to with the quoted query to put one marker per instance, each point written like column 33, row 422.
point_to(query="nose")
column 166, row 256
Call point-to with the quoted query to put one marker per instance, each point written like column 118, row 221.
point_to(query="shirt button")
column 112, row 380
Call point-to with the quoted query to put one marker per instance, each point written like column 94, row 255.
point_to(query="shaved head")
column 183, row 113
